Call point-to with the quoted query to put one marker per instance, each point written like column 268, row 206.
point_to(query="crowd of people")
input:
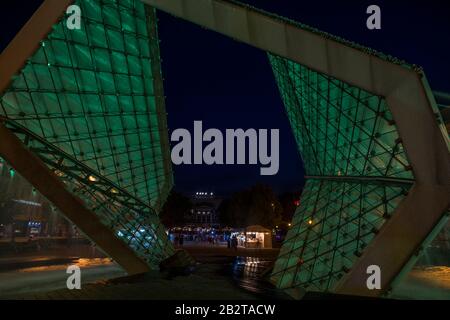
column 179, row 238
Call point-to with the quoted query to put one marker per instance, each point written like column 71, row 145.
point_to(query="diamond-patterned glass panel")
column 331, row 228
column 91, row 93
column 357, row 173
column 340, row 130
column 90, row 104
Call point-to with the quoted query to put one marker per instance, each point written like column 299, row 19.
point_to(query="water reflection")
column 82, row 263
column 251, row 274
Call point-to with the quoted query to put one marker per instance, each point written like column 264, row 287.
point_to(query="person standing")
column 234, row 243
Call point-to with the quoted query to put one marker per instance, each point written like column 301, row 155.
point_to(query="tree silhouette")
column 257, row 205
column 174, row 210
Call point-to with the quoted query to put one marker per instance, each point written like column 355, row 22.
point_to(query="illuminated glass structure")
column 357, row 175
column 374, row 145
column 90, row 103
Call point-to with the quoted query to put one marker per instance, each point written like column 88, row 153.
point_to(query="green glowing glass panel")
column 340, row 130
column 96, row 94
column 357, row 174
column 90, row 102
column 333, row 225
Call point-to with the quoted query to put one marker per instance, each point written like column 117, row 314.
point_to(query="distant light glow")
column 29, row 203
column 92, row 178
column 59, row 173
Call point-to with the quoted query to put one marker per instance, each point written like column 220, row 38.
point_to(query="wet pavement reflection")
column 250, row 274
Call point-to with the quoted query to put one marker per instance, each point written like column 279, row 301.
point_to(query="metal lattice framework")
column 376, row 152
column 358, row 174
column 90, row 104
column 131, row 219
column 341, row 130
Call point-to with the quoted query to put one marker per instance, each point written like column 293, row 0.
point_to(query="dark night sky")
column 227, row 84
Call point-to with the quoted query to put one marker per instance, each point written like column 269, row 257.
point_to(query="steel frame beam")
column 407, row 94
column 121, row 212
column 50, row 186
column 368, row 180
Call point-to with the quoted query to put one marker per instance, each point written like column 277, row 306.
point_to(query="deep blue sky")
column 227, row 84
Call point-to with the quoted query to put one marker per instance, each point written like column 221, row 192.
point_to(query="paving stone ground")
column 206, row 283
